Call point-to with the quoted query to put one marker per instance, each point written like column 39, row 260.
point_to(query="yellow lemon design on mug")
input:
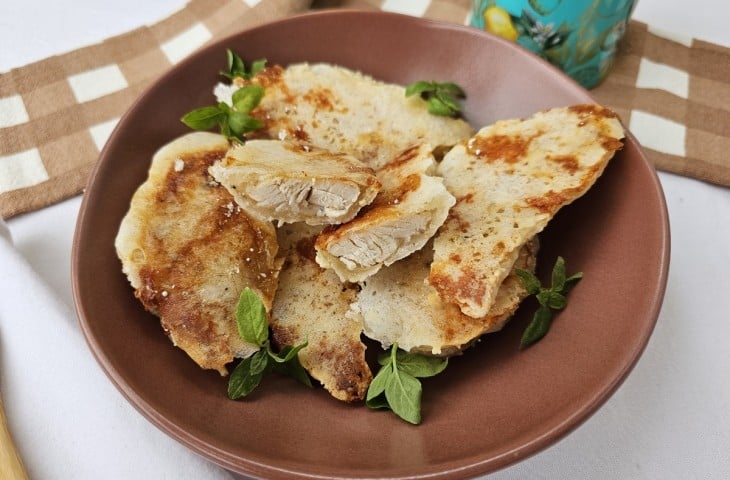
column 497, row 21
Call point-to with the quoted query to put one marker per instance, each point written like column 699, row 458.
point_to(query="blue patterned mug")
column 577, row 36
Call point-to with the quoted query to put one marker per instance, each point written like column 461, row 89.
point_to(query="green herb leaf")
column 257, row 66
column 558, row 275
column 571, row 281
column 234, row 122
column 386, row 357
column 292, row 368
column 377, row 385
column 420, row 366
column 529, row 281
column 538, row 327
column 451, row 88
column 441, row 98
column 448, row 100
column 253, row 327
column 420, row 87
column 247, row 97
column 403, row 392
column 553, row 298
column 247, row 375
column 203, row 118
column 396, row 385
column 379, row 402
column 237, row 67
column 437, row 107
column 259, row 362
column 251, row 318
column 226, row 129
column 240, row 123
column 287, row 354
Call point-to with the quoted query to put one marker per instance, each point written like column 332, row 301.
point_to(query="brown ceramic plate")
column 494, row 405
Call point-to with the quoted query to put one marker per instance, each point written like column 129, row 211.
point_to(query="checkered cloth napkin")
column 56, row 114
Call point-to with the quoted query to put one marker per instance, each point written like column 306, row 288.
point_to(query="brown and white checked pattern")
column 56, row 114
column 674, row 95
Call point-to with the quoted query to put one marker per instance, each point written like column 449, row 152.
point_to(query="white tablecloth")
column 669, row 420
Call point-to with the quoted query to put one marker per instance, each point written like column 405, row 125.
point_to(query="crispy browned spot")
column 550, row 202
column 467, row 287
column 568, row 162
column 468, row 198
column 396, row 195
column 300, row 134
column 611, row 144
column 498, row 248
column 320, row 98
column 350, row 379
column 283, row 336
column 591, row 109
column 452, row 323
column 195, row 172
column 507, row 148
column 404, row 157
column 457, row 221
column 267, row 77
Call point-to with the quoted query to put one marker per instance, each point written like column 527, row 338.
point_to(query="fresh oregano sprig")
column 254, row 328
column 237, row 67
column 396, row 385
column 234, row 121
column 442, row 98
column 550, row 299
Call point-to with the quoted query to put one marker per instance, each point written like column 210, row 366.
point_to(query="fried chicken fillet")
column 294, row 182
column 313, row 305
column 342, row 110
column 404, row 216
column 509, row 180
column 188, row 251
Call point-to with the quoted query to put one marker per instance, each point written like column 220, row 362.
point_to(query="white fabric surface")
column 669, row 420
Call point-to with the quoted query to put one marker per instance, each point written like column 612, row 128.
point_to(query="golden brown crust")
column 520, row 173
column 189, row 252
column 313, row 305
column 342, row 110
column 397, row 305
